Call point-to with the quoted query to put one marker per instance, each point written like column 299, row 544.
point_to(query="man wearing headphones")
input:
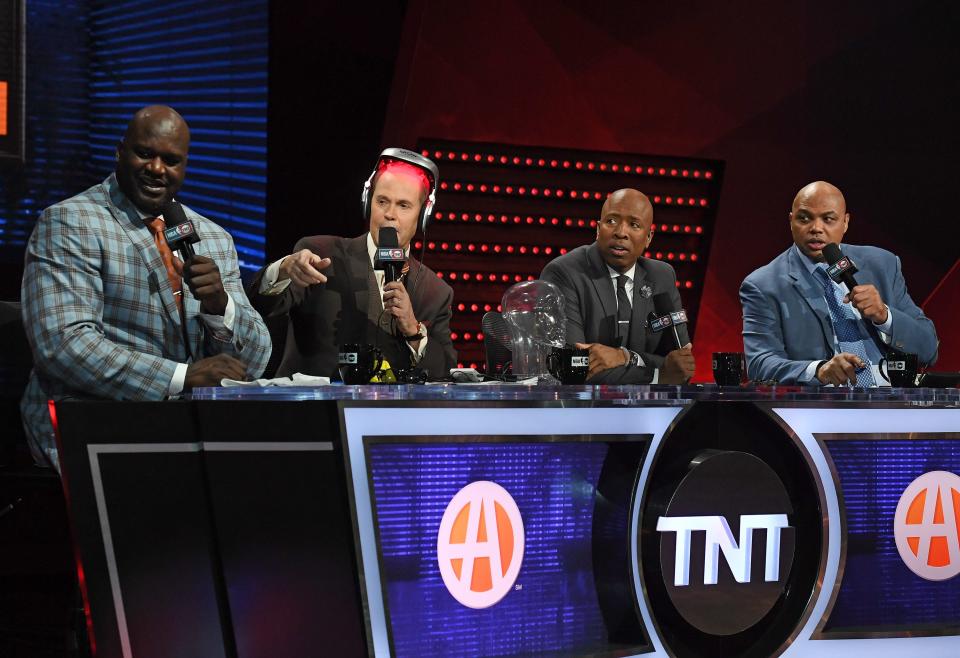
column 333, row 296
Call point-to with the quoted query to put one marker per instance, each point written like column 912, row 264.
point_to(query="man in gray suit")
column 103, row 305
column 801, row 327
column 609, row 288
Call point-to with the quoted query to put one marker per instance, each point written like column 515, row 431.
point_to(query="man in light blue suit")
column 103, row 305
column 800, row 327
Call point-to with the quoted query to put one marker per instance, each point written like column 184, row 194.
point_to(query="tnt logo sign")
column 927, row 526
column 480, row 544
column 580, row 361
column 726, row 542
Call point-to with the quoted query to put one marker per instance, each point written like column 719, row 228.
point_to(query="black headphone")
column 418, row 161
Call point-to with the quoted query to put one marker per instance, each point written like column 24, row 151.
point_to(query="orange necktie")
column 157, row 226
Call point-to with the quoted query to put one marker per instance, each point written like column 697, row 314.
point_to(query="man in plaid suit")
column 100, row 306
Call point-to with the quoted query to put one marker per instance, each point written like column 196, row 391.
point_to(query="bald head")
column 820, row 191
column 152, row 157
column 818, row 217
column 628, row 198
column 623, row 232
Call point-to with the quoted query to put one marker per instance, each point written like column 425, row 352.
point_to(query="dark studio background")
column 861, row 94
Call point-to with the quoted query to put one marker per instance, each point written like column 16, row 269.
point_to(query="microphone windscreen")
column 831, row 253
column 388, row 238
column 173, row 213
column 662, row 304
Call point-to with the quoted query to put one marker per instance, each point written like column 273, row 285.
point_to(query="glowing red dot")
column 438, row 215
column 496, row 248
column 579, row 165
column 443, row 185
column 593, row 223
column 487, row 307
column 529, row 220
column 708, row 174
column 689, row 284
column 554, row 221
column 516, row 160
column 676, row 228
column 523, row 249
column 566, row 164
column 661, row 171
column 680, row 200
column 542, row 220
column 509, row 248
column 547, row 191
column 503, row 278
column 431, row 245
column 458, row 247
column 457, row 186
column 669, row 255
column 686, row 229
column 591, row 166
column 646, row 254
column 603, row 166
column 534, row 191
column 659, row 255
column 503, row 159
column 703, row 202
column 464, row 156
column 509, row 189
column 693, row 257
column 477, row 157
column 669, row 199
column 453, row 275
column 568, row 222
column 656, row 199
column 492, row 277
column 663, row 227
column 696, row 173
column 518, row 278
column 454, row 335
column 597, row 195
column 528, row 161
column 439, row 275
column 626, row 168
column 676, row 283
column 478, row 276
column 685, row 173
column 541, row 162
column 490, row 158
column 464, row 216
column 548, row 250
column 615, row 167
column 563, row 250
column 451, row 156
column 650, row 170
column 469, row 187
column 580, row 222
column 553, row 163
column 484, row 248
column 682, row 257
column 499, row 308
column 437, row 154
column 522, row 190
column 699, row 229
column 673, row 172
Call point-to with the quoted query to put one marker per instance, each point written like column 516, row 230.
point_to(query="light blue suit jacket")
column 786, row 321
column 100, row 314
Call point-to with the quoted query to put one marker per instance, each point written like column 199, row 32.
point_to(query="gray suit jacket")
column 591, row 309
column 786, row 321
column 100, row 313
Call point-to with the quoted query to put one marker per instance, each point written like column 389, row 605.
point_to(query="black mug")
column 901, row 369
column 728, row 368
column 358, row 363
column 568, row 364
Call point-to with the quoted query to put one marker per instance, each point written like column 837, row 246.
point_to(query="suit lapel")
column 641, row 306
column 140, row 236
column 603, row 287
column 357, row 269
column 812, row 293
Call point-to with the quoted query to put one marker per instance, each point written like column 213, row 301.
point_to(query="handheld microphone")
column 664, row 316
column 180, row 233
column 389, row 257
column 840, row 268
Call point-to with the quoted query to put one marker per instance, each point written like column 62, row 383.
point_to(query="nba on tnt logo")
column 927, row 525
column 480, row 544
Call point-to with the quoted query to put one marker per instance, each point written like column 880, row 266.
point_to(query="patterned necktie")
column 845, row 327
column 157, row 226
column 624, row 310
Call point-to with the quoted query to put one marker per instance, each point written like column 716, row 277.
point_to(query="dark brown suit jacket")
column 325, row 316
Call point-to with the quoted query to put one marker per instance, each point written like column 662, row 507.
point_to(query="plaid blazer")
column 100, row 314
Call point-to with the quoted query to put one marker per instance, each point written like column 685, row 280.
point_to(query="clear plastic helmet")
column 534, row 313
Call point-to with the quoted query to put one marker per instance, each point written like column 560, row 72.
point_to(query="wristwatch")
column 633, row 359
column 420, row 335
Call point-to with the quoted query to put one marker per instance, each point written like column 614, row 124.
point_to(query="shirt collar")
column 372, row 250
column 629, row 273
column 811, row 266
